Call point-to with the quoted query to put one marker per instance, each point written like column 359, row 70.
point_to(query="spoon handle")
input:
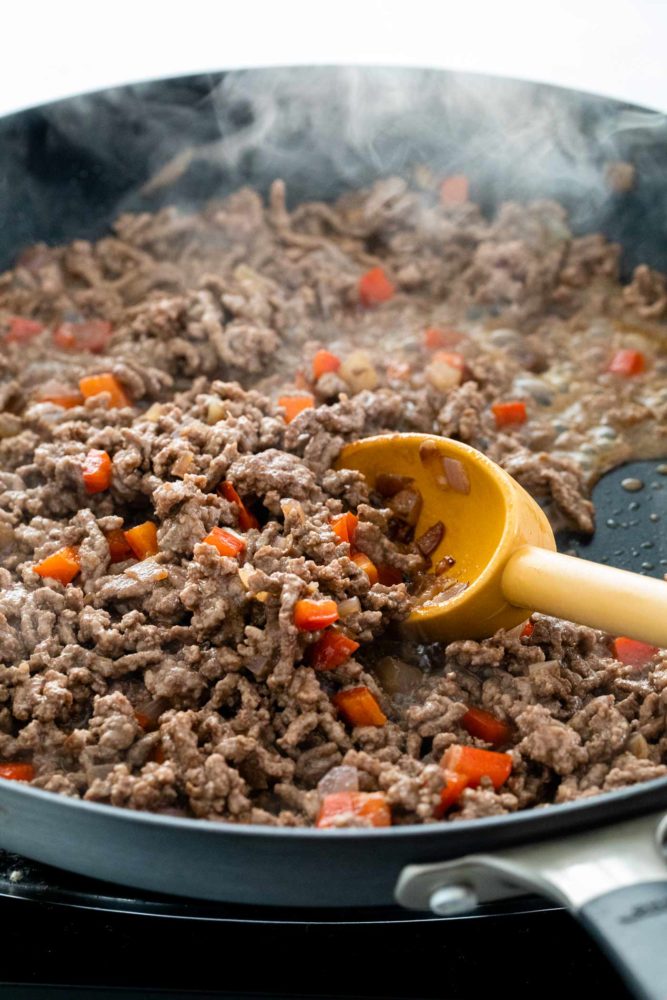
column 589, row 593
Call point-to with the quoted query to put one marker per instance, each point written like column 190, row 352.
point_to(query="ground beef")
column 181, row 684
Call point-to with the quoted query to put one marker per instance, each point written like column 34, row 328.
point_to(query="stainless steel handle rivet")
column 452, row 899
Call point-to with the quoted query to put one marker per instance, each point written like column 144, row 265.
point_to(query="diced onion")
column 148, row 570
column 215, row 411
column 442, row 375
column 396, row 676
column 182, row 464
column 457, row 477
column 339, row 779
column 351, row 606
column 9, row 425
column 153, row 413
column 358, row 371
column 638, row 746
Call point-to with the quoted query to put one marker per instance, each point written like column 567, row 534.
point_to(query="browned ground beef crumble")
column 213, row 314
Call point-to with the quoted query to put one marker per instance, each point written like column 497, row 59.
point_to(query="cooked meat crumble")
column 220, row 361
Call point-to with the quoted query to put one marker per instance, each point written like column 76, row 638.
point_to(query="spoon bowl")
column 503, row 549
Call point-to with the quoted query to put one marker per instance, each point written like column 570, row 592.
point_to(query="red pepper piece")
column 294, row 405
column 226, row 541
column 486, row 726
column 325, row 361
column 513, row 412
column 246, row 519
column 309, row 616
column 375, row 288
column 371, row 806
column 17, row 772
column 451, row 793
column 359, row 707
column 90, row 335
column 332, row 649
column 97, row 471
column 21, row 329
column 632, row 652
column 627, row 362
column 345, row 527
column 476, row 764
column 62, row 565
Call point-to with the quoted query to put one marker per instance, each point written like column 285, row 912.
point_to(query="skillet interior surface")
column 67, row 169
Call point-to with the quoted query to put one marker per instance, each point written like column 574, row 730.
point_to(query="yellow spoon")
column 503, row 549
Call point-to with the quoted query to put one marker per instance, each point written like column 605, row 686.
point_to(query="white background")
column 53, row 48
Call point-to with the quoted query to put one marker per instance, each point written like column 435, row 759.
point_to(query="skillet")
column 67, row 169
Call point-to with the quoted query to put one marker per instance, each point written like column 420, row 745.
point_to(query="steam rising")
column 326, row 129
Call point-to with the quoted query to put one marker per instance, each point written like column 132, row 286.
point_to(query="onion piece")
column 443, row 375
column 215, row 411
column 182, row 464
column 406, row 505
column 148, row 570
column 358, row 371
column 429, row 541
column 457, row 477
column 397, row 677
column 339, row 779
column 153, row 413
column 350, row 606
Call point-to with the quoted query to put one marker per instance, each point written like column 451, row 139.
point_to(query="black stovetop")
column 66, row 936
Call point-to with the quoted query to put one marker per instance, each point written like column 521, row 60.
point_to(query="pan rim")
column 523, row 821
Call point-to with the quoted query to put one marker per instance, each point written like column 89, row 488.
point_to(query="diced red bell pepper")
column 632, row 652
column 294, row 405
column 332, row 649
column 325, row 361
column 486, row 726
column 513, row 412
column 627, row 362
column 436, row 339
column 369, row 568
column 226, row 541
column 375, row 288
column 143, row 539
column 90, row 335
column 97, row 471
column 371, row 806
column 309, row 616
column 17, row 772
column 62, row 565
column 93, row 385
column 454, row 190
column 345, row 526
column 451, row 793
column 476, row 764
column 246, row 519
column 21, row 329
column 60, row 396
column 119, row 550
column 359, row 707
column 527, row 630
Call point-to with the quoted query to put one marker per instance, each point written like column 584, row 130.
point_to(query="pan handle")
column 613, row 879
column 631, row 926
